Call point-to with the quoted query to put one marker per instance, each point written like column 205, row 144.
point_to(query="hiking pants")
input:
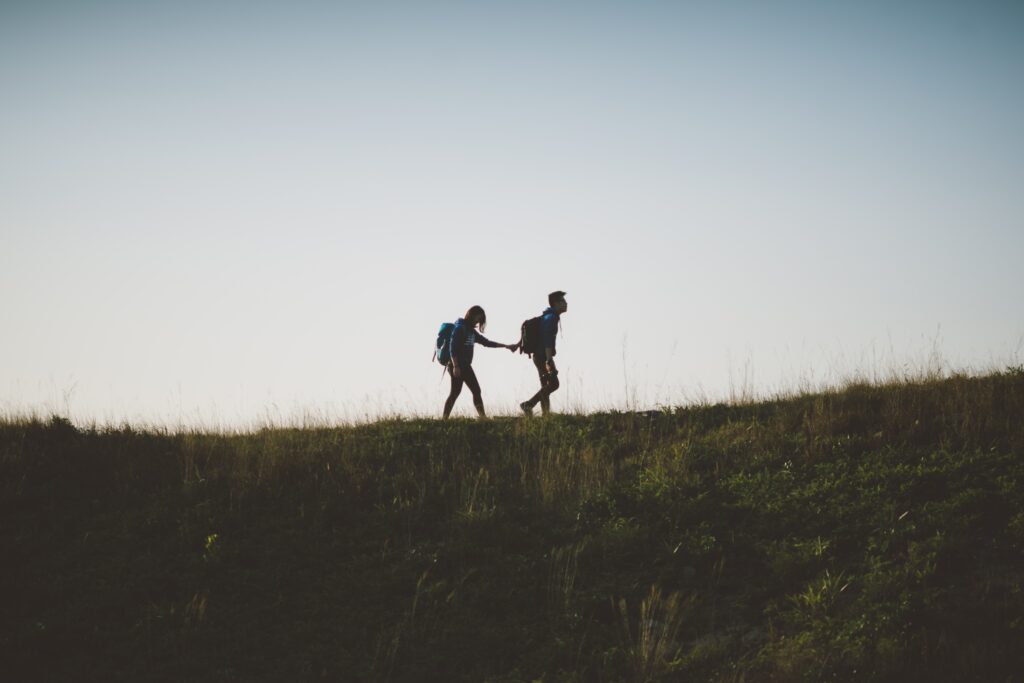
column 468, row 377
column 548, row 384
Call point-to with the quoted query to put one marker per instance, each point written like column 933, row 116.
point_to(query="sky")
column 239, row 213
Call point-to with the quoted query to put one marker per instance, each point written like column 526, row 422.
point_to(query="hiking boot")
column 526, row 408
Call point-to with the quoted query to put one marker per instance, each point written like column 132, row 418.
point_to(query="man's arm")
column 549, row 330
column 550, row 360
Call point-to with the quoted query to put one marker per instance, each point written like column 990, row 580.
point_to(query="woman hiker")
column 464, row 337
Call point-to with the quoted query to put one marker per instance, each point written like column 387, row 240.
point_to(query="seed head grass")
column 871, row 531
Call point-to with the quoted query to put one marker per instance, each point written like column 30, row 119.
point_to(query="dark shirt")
column 464, row 337
column 549, row 328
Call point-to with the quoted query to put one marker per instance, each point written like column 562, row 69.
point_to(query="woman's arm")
column 484, row 341
column 456, row 342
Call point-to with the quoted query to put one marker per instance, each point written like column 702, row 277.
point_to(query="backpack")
column 443, row 347
column 531, row 339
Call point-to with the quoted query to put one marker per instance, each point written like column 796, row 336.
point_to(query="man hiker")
column 543, row 353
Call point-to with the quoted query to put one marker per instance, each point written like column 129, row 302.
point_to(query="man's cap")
column 556, row 295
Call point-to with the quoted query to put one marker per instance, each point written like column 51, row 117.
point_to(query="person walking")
column 464, row 337
column 544, row 356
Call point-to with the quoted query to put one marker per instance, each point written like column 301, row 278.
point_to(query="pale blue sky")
column 226, row 211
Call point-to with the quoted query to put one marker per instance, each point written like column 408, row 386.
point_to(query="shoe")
column 526, row 408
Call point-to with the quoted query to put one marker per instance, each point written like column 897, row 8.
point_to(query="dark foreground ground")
column 876, row 533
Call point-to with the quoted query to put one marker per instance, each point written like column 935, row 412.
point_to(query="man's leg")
column 542, row 396
column 548, row 384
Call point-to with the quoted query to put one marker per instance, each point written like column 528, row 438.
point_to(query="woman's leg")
column 453, row 394
column 471, row 381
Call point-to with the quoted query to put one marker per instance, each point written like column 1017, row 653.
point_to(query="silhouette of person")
column 464, row 337
column 545, row 361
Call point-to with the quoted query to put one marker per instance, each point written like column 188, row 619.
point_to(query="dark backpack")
column 531, row 338
column 443, row 347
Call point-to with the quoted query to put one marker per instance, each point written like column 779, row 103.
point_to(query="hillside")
column 872, row 533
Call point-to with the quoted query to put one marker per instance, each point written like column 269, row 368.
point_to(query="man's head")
column 557, row 301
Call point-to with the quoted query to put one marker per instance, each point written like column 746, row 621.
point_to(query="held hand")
column 512, row 347
column 456, row 372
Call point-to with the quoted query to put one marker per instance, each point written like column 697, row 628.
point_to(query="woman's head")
column 476, row 317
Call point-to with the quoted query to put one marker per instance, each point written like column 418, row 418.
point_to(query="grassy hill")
column 872, row 533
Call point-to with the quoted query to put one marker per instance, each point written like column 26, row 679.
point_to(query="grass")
column 868, row 533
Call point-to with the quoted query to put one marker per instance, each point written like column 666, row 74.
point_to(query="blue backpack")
column 443, row 348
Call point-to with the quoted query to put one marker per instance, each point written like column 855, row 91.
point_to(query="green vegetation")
column 870, row 533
